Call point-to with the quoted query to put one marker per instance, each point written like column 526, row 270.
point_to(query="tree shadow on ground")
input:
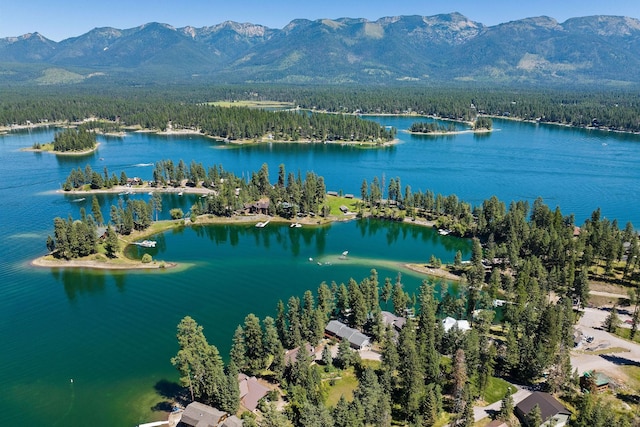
column 623, row 361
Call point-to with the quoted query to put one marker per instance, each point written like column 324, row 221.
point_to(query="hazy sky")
column 58, row 20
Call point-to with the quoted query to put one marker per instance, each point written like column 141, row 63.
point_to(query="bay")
column 113, row 333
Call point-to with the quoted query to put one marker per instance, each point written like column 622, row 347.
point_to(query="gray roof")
column 356, row 338
column 549, row 406
column 232, row 421
column 198, row 414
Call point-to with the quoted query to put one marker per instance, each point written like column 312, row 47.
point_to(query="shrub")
column 176, row 213
column 146, row 259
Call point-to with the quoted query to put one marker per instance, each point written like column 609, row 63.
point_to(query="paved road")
column 480, row 412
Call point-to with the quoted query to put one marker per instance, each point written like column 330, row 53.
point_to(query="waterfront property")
column 357, row 339
column 198, row 414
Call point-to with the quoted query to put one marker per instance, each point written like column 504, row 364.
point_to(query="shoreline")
column 433, row 272
column 123, row 263
column 94, row 264
column 62, row 153
column 455, row 132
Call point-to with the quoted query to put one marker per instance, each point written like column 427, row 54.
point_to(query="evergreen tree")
column 111, row 244
column 199, row 363
column 95, row 210
column 254, row 344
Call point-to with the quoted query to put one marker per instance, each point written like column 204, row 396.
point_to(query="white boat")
column 263, row 224
column 443, row 232
column 180, row 193
column 345, row 253
column 295, row 225
column 82, row 199
column 147, row 243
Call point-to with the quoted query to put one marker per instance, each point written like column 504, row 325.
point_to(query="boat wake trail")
column 72, row 399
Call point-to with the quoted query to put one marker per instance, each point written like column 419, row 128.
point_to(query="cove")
column 113, row 333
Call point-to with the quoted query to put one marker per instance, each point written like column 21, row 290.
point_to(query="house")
column 198, row 414
column 553, row 412
column 332, row 193
column 497, row 423
column 251, row 391
column 450, row 322
column 594, row 381
column 396, row 322
column 356, row 339
column 348, row 196
column 259, row 207
column 290, row 355
column 232, row 421
column 344, row 209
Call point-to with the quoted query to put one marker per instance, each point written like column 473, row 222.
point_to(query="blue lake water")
column 113, row 333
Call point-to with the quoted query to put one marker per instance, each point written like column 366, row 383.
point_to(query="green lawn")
column 344, row 386
column 335, row 203
column 496, row 389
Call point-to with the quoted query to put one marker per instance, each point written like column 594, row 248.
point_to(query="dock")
column 263, row 224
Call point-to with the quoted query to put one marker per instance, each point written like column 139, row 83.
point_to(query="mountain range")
column 448, row 48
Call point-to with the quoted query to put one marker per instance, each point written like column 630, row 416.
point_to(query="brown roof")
column 497, row 423
column 251, row 391
column 549, row 406
column 290, row 355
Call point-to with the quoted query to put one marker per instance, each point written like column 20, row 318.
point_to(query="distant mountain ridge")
column 444, row 48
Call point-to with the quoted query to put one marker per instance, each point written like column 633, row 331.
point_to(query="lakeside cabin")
column 357, row 339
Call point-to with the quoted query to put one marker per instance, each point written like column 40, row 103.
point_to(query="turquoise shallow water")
column 113, row 332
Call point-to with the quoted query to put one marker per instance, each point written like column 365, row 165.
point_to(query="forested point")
column 186, row 107
column 424, row 127
column 73, row 140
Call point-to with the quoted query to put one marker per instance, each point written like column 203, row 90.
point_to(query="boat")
column 180, row 193
column 262, row 224
column 345, row 253
column 443, row 232
column 82, row 199
column 147, row 243
column 295, row 225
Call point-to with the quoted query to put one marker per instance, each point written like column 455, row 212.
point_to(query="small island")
column 70, row 141
column 481, row 124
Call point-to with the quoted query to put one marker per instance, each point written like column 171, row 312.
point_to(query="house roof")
column 389, row 318
column 232, row 421
column 549, row 406
column 198, row 414
column 599, row 378
column 342, row 331
column 290, row 355
column 251, row 391
column 497, row 423
column 450, row 322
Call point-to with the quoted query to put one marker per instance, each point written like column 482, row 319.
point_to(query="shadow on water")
column 171, row 392
column 79, row 281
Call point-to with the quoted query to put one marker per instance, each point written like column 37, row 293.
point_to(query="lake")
column 113, row 333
